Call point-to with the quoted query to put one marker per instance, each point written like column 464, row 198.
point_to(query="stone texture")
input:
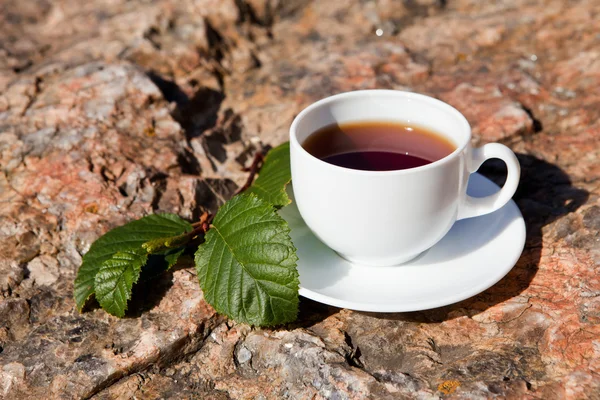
column 110, row 110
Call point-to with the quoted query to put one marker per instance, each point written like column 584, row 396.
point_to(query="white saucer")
column 473, row 256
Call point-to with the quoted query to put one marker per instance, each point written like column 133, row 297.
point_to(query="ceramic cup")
column 384, row 218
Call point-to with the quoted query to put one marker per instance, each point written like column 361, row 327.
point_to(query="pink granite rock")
column 113, row 110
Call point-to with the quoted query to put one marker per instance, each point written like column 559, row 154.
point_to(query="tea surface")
column 377, row 146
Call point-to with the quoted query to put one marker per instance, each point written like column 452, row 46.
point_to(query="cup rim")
column 385, row 92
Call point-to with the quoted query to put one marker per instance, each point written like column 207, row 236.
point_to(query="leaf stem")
column 203, row 218
column 201, row 226
column 204, row 223
column 253, row 169
column 162, row 244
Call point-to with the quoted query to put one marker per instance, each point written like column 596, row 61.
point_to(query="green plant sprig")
column 246, row 263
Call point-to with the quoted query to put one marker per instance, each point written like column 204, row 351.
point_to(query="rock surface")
column 110, row 110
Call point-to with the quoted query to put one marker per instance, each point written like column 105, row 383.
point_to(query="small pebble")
column 244, row 355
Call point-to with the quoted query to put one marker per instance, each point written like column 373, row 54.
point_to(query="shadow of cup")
column 545, row 194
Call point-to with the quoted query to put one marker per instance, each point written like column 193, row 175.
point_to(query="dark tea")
column 377, row 146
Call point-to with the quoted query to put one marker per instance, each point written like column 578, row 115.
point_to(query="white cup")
column 383, row 218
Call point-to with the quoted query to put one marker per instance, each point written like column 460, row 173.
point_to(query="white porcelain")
column 386, row 218
column 474, row 255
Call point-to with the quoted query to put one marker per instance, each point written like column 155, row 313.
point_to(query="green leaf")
column 172, row 256
column 129, row 237
column 115, row 278
column 247, row 265
column 274, row 176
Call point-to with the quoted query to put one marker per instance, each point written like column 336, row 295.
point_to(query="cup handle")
column 472, row 206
